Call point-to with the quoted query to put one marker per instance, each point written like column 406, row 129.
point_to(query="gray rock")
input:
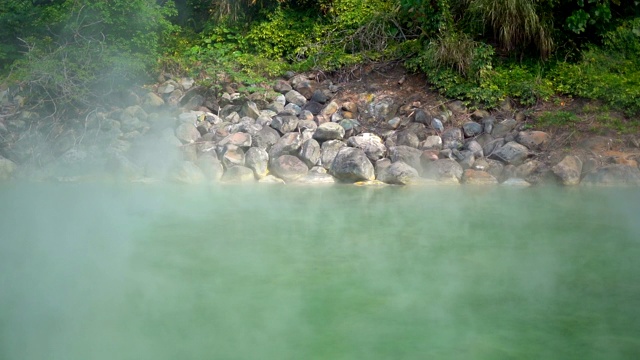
column 503, row 128
column 7, row 168
column 317, row 179
column 211, row 167
column 313, row 107
column 188, row 173
column 330, row 109
column 329, row 151
column 284, row 123
column 292, row 109
column 265, row 138
column 351, row 165
column 187, row 133
column 288, row 144
column 488, row 124
column 250, row 109
column 568, row 170
column 329, row 131
column 420, row 116
column 152, row 100
column 492, row 146
column 472, row 129
column 406, row 154
column 534, row 140
column 384, row 109
column 310, row 152
column 511, row 153
column 238, row 139
column 452, row 139
column 289, row 168
column 478, row 177
column 516, row 182
column 465, row 158
column 401, row 174
column 529, row 167
column 238, row 174
column 282, row 86
column 257, row 160
column 270, row 179
column 407, row 138
column 433, row 142
column 320, row 97
column 371, row 144
column 232, row 156
column 443, row 170
column 307, row 125
column 475, row 148
column 296, row 98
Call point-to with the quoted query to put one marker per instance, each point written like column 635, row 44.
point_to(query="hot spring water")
column 342, row 272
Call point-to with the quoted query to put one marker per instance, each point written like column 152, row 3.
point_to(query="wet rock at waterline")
column 351, row 165
column 569, row 170
column 257, row 160
column 613, row 175
column 511, row 153
column 289, row 168
column 238, row 174
column 7, row 168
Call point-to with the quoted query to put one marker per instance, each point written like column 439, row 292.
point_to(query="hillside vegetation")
column 65, row 57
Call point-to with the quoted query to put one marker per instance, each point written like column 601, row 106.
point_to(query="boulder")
column 288, row 144
column 406, row 154
column 351, row 165
column 472, row 129
column 568, row 170
column 475, row 148
column 433, row 142
column 284, row 123
column 296, row 98
column 443, row 170
column 399, row 173
column 265, row 138
column 511, row 153
column 329, row 151
column 187, row 133
column 613, row 175
column 492, row 145
column 317, row 178
column 238, row 174
column 232, row 156
column 407, row 138
column 257, row 160
column 330, row 109
column 310, row 152
column 211, row 167
column 188, row 173
column 7, row 168
column 329, row 131
column 452, row 138
column 250, row 109
column 282, row 86
column 478, row 177
column 371, row 144
column 534, row 140
column 289, row 168
column 239, row 139
column 503, row 128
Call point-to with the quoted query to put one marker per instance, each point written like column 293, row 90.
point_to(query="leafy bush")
column 611, row 74
column 94, row 52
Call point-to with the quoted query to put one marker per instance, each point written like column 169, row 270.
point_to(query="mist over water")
column 95, row 271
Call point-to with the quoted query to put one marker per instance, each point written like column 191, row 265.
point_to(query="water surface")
column 93, row 271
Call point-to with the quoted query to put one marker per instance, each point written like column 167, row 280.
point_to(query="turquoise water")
column 342, row 272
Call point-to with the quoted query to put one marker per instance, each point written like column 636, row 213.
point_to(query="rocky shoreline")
column 302, row 131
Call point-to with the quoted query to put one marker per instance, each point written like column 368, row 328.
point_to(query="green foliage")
column 427, row 18
column 95, row 49
column 282, row 34
column 557, row 118
column 610, row 74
